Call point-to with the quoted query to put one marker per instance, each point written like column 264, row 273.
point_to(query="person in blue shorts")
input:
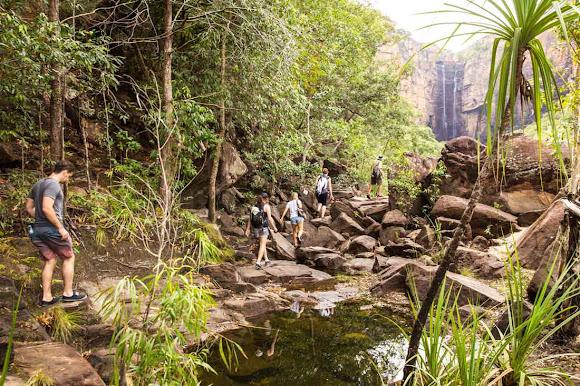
column 294, row 208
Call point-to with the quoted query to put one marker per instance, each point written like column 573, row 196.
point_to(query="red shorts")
column 50, row 244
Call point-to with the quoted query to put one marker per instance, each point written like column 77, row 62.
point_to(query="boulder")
column 374, row 230
column 391, row 234
column 483, row 264
column 393, row 274
column 366, row 222
column 324, row 237
column 361, row 244
column 486, row 221
column 284, row 248
column 335, row 168
column 251, row 305
column 394, row 218
column 228, row 199
column 9, row 155
column 375, row 211
column 528, row 218
column 103, row 361
column 60, row 362
column 460, row 158
column 480, row 243
column 254, row 276
column 344, row 224
column 320, row 257
column 343, row 194
column 341, row 207
column 317, row 222
column 465, row 289
column 426, row 237
column 404, row 248
column 227, row 276
column 537, row 241
column 525, row 200
column 358, row 265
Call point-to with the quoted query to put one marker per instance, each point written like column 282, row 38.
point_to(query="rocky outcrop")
column 284, row 248
column 60, row 362
column 537, row 242
column 486, row 221
column 362, row 244
column 344, row 224
column 321, row 257
column 324, row 237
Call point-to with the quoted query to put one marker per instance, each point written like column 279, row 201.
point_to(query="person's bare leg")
column 300, row 230
column 68, row 272
column 295, row 234
column 379, row 190
column 261, row 249
column 47, row 272
column 319, row 208
column 323, row 211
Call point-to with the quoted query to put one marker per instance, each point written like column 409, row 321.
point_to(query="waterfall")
column 448, row 100
column 444, row 84
column 454, row 122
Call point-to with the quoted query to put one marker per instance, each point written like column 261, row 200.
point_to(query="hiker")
column 46, row 204
column 294, row 207
column 260, row 222
column 323, row 192
column 376, row 177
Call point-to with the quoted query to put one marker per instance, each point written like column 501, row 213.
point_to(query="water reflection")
column 338, row 346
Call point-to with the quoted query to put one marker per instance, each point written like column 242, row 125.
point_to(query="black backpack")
column 376, row 171
column 257, row 216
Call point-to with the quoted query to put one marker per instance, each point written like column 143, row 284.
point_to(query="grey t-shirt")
column 47, row 187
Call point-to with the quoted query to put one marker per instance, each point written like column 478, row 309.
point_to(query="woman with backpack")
column 376, row 177
column 260, row 222
column 323, row 191
column 294, row 207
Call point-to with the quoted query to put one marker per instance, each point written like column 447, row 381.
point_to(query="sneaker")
column 267, row 263
column 55, row 300
column 258, row 266
column 368, row 196
column 75, row 297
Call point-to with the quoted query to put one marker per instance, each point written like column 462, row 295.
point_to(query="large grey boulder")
column 394, row 218
column 284, row 248
column 344, row 224
column 324, row 237
column 361, row 244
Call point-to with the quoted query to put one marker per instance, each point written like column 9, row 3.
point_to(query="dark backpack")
column 376, row 171
column 257, row 216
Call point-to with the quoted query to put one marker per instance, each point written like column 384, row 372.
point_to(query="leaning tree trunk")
column 168, row 162
column 450, row 252
column 56, row 97
column 212, row 190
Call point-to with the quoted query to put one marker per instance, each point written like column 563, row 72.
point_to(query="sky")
column 405, row 14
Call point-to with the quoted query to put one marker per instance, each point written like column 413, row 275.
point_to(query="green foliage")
column 13, row 193
column 61, row 323
column 160, row 319
column 39, row 378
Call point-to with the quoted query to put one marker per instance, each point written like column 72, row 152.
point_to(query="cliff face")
column 448, row 89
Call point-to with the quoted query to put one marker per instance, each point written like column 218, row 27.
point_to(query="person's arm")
column 30, row 207
column 284, row 213
column 330, row 188
column 50, row 214
column 247, row 231
column 270, row 218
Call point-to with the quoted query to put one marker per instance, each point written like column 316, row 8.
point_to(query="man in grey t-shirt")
column 46, row 204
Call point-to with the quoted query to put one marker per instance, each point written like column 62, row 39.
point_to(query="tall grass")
column 6, row 362
column 460, row 350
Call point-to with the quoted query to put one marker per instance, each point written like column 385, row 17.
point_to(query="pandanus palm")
column 515, row 26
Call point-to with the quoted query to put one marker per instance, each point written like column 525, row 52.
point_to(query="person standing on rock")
column 294, row 207
column 323, row 192
column 376, row 177
column 260, row 222
column 46, row 204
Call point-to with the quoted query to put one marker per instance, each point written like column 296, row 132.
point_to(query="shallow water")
column 350, row 347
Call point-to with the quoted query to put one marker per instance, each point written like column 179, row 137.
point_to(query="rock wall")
column 448, row 89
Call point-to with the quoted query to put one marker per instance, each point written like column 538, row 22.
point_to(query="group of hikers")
column 261, row 221
column 45, row 204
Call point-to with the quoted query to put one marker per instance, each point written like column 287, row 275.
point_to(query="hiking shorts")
column 376, row 180
column 296, row 220
column 50, row 244
column 261, row 232
column 322, row 198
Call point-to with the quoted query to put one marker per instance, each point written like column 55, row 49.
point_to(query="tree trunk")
column 56, row 98
column 449, row 256
column 212, row 190
column 167, row 143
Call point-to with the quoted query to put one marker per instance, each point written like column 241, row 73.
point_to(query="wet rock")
column 536, row 242
column 391, row 234
column 361, row 244
column 344, row 224
column 394, row 218
column 59, row 361
column 284, row 248
column 486, row 221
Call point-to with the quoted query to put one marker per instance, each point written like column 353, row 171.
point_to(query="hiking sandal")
column 75, row 297
column 52, row 302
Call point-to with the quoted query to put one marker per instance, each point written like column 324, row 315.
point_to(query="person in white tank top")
column 294, row 208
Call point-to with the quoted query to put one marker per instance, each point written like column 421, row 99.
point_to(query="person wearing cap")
column 260, row 222
column 376, row 177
